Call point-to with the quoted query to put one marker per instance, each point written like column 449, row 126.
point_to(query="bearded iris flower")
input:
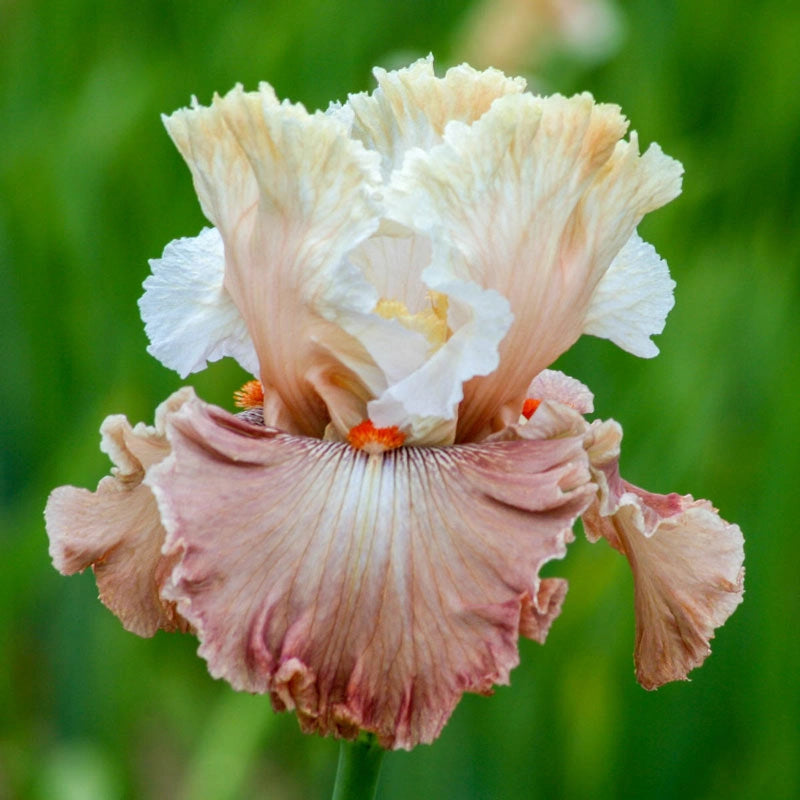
column 363, row 540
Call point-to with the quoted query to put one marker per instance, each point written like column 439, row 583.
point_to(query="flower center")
column 365, row 436
column 251, row 395
column 431, row 323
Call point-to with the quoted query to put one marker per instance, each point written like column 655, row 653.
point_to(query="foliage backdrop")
column 91, row 187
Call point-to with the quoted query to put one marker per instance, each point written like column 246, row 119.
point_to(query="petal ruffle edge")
column 117, row 529
column 687, row 563
column 365, row 592
column 190, row 318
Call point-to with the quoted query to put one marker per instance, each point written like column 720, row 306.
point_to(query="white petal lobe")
column 189, row 316
column 632, row 300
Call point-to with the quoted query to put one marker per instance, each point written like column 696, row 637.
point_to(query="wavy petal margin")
column 534, row 200
column 411, row 106
column 189, row 316
column 365, row 592
column 632, row 300
column 291, row 194
column 687, row 563
column 117, row 529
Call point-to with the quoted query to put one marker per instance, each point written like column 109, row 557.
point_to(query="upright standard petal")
column 411, row 106
column 535, row 200
column 291, row 195
column 117, row 529
column 686, row 562
column 364, row 591
column 188, row 314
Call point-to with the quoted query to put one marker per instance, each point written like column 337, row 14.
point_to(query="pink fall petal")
column 117, row 529
column 365, row 592
column 686, row 562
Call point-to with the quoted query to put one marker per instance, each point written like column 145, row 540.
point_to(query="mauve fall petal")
column 117, row 529
column 365, row 592
column 686, row 563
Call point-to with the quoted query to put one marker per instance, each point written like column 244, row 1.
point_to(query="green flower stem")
column 358, row 770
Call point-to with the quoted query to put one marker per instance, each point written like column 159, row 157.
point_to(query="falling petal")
column 365, row 592
column 686, row 562
column 117, row 529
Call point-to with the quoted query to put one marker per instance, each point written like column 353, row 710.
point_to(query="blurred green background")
column 91, row 187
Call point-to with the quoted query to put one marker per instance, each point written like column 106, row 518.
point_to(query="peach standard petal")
column 117, row 529
column 364, row 592
column 534, row 200
column 291, row 194
column 412, row 107
column 686, row 563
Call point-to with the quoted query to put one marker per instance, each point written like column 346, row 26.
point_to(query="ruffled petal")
column 365, row 592
column 686, row 562
column 632, row 300
column 117, row 529
column 411, row 106
column 535, row 199
column 189, row 317
column 291, row 195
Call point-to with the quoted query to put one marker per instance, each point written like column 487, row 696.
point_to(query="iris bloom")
column 363, row 541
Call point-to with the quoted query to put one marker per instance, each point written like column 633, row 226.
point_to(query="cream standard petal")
column 632, row 300
column 411, row 106
column 534, row 200
column 117, row 529
column 686, row 562
column 291, row 195
column 189, row 317
column 365, row 592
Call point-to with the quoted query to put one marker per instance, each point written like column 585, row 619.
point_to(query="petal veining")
column 365, row 592
column 291, row 195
